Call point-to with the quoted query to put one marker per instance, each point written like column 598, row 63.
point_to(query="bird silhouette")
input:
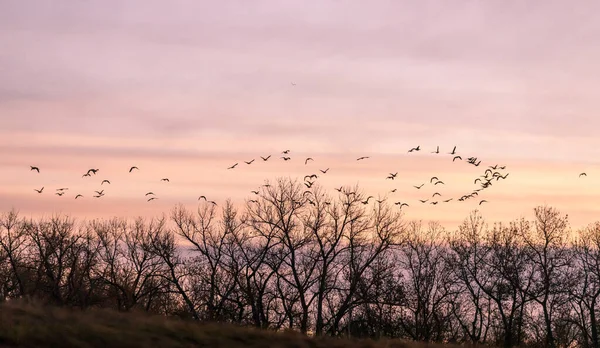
column 78, row 196
column 434, row 203
column 453, row 151
column 62, row 189
column 447, row 200
column 233, row 166
column 436, row 151
column 339, row 189
column 199, row 198
column 39, row 191
column 439, row 182
column 312, row 176
column 265, row 158
column 86, row 174
column 100, row 192
column 286, row 158
column 105, row 181
column 34, row 168
column 367, row 200
column 250, row 162
column 132, row 168
column 455, row 157
column 419, row 187
column 285, row 152
column 423, row 201
column 255, row 192
column 394, row 190
column 418, row 148
column 482, row 201
column 433, row 178
column 59, row 193
column 308, row 159
column 93, row 171
column 401, row 204
column 165, row 179
column 324, row 171
column 152, row 198
column 213, row 202
column 149, row 193
column 362, row 158
column 392, row 176
column 582, row 174
column 437, row 193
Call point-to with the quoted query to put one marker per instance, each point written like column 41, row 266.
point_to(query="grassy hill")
column 27, row 325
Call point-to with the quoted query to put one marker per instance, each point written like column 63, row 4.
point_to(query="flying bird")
column 308, row 159
column 582, row 174
column 419, row 187
column 439, row 182
column 165, row 179
column 286, row 158
column 132, row 168
column 152, row 198
column 483, row 200
column 453, row 151
column 423, row 201
column 447, row 200
column 78, row 196
column 436, row 151
column 35, row 168
column 255, row 192
column 199, row 198
column 86, row 174
column 285, row 152
column 213, row 202
column 62, row 189
column 233, row 166
column 94, row 171
column 100, row 192
column 105, row 181
column 362, row 158
column 39, row 191
column 437, row 193
column 418, row 148
column 324, row 171
column 59, row 193
column 455, row 157
column 149, row 193
column 250, row 162
column 433, row 178
column 265, row 158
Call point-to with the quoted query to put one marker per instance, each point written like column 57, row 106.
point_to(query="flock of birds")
column 490, row 175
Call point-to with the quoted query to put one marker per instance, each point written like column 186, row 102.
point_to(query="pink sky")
column 183, row 89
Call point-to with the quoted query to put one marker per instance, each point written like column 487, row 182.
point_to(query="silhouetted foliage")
column 303, row 260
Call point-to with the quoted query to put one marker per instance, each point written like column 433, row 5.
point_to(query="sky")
column 184, row 89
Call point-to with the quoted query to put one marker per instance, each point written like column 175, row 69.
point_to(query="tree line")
column 321, row 265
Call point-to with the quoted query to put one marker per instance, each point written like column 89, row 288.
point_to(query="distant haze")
column 184, row 89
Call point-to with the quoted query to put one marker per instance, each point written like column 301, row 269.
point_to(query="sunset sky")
column 184, row 89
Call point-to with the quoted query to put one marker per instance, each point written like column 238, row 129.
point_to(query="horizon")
column 186, row 89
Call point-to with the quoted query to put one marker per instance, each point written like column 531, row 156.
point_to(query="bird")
column 367, row 200
column 62, row 189
column 394, row 190
column 482, row 201
column 433, row 178
column 265, row 158
column 213, row 202
column 59, row 193
column 453, row 151
column 149, row 193
column 418, row 148
column 339, row 189
column 253, row 201
column 39, row 191
column 100, row 192
column 437, row 193
column 392, row 176
column 436, row 151
column 165, row 179
column 362, row 158
column 478, row 179
column 423, row 201
column 293, row 84
column 98, row 196
column 439, row 182
column 582, row 174
column 308, row 184
column 152, row 198
column 434, row 203
column 324, row 171
column 401, row 204
column 455, row 157
column 447, row 200
column 78, row 196
column 105, row 181
column 312, row 176
column 285, row 152
column 286, row 158
column 94, row 171
column 199, row 198
column 255, row 192
column 86, row 174
column 308, row 159
column 419, row 187
column 249, row 162
column 132, row 168
column 35, row 168
column 233, row 166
